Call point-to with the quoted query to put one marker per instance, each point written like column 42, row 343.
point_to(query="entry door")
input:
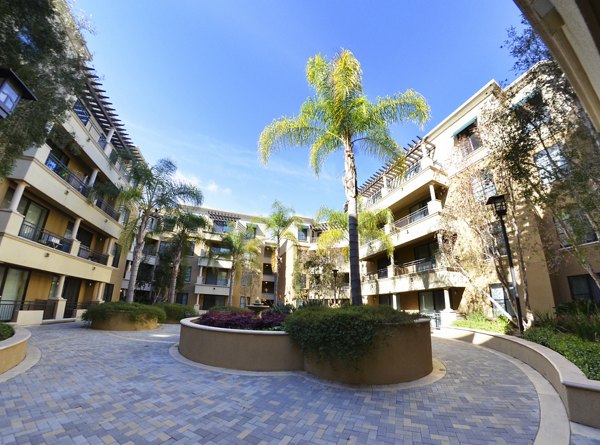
column 13, row 284
column 71, row 294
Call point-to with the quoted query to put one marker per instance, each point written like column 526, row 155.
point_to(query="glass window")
column 82, row 113
column 483, row 186
column 498, row 294
column 102, row 140
column 187, row 274
column 551, row 164
column 583, row 288
column 8, row 96
column 498, row 238
column 468, row 140
column 108, row 291
column 181, row 298
column 302, row 233
column 575, row 227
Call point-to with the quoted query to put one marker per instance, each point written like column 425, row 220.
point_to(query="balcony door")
column 71, row 294
column 431, row 301
column 13, row 284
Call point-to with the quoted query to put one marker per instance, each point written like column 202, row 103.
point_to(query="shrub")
column 176, row 312
column 346, row 333
column 283, row 308
column 6, row 331
column 476, row 320
column 583, row 354
column 581, row 318
column 242, row 320
column 135, row 311
column 229, row 309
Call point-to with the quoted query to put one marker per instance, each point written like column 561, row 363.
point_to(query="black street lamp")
column 499, row 203
column 12, row 89
column 335, row 272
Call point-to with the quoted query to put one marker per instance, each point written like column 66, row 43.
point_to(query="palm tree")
column 154, row 192
column 339, row 117
column 184, row 226
column 244, row 255
column 278, row 224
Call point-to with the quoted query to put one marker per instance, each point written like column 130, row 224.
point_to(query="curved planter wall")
column 580, row 395
column 13, row 349
column 121, row 322
column 399, row 358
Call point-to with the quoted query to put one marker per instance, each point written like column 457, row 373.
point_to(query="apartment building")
column 59, row 233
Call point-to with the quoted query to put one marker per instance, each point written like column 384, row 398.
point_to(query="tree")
column 544, row 141
column 339, row 117
column 155, row 193
column 314, row 268
column 278, row 224
column 244, row 253
column 36, row 37
column 184, row 226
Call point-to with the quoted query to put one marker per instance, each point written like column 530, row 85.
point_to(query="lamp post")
column 499, row 203
column 12, row 89
column 335, row 272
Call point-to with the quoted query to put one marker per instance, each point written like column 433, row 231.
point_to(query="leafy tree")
column 155, row 192
column 278, row 224
column 184, row 227
column 340, row 117
column 244, row 253
column 35, row 37
column 315, row 269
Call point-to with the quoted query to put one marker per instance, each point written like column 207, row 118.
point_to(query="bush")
column 476, row 320
column 583, row 354
column 135, row 311
column 242, row 320
column 581, row 318
column 346, row 333
column 6, row 331
column 229, row 309
column 176, row 312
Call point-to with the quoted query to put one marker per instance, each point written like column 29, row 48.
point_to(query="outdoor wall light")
column 12, row 89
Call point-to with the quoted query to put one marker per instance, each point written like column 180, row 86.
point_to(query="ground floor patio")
column 82, row 386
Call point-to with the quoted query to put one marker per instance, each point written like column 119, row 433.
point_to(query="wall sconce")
column 46, row 254
column 66, row 192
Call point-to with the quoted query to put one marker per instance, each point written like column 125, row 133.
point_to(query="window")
column 8, row 97
column 468, row 140
column 417, row 212
column 267, row 269
column 531, row 111
column 246, row 279
column 187, row 274
column 483, row 186
column 498, row 294
column 498, row 239
column 302, row 233
column 163, row 248
column 583, row 288
column 82, row 113
column 116, row 255
column 575, row 226
column 251, row 231
column 188, row 249
column 551, row 164
column 221, row 227
column 431, row 301
column 181, row 298
column 102, row 140
column 108, row 291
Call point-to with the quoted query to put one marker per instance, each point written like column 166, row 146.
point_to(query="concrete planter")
column 119, row 321
column 401, row 357
column 580, row 395
column 13, row 349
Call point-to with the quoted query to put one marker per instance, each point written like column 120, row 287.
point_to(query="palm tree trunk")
column 174, row 273
column 350, row 187
column 231, row 281
column 276, row 272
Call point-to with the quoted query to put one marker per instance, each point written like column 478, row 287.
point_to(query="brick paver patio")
column 103, row 388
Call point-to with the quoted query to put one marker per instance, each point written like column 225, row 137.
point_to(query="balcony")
column 411, row 218
column 212, row 286
column 107, row 208
column 42, row 236
column 67, row 175
column 97, row 257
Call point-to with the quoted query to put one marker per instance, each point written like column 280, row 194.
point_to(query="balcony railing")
column 42, row 236
column 382, row 273
column 411, row 218
column 107, row 208
column 72, row 306
column 422, row 265
column 54, row 164
column 216, row 281
column 97, row 257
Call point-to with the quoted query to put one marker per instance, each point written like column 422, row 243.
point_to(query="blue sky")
column 197, row 81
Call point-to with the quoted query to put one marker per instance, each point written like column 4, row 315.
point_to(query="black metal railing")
column 216, row 281
column 411, row 218
column 422, row 265
column 88, row 254
column 107, row 208
column 8, row 308
column 382, row 273
column 54, row 164
column 42, row 236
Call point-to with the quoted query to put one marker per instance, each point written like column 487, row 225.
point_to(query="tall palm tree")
column 154, row 192
column 244, row 253
column 185, row 227
column 339, row 117
column 278, row 224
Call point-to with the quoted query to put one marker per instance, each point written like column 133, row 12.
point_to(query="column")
column 100, row 291
column 16, row 199
column 93, row 177
column 59, row 309
column 432, row 192
column 109, row 136
column 197, row 305
column 59, row 288
column 447, row 305
column 76, row 244
column 395, row 301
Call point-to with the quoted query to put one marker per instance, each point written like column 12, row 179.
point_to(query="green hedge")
column 6, row 331
column 228, row 309
column 477, row 320
column 176, row 312
column 345, row 333
column 583, row 354
column 135, row 311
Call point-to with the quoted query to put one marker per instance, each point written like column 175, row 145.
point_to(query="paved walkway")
column 126, row 388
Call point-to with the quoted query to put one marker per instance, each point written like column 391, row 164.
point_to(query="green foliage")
column 228, row 309
column 6, row 331
column 581, row 318
column 135, row 312
column 176, row 312
column 583, row 354
column 476, row 320
column 283, row 308
column 35, row 42
column 346, row 333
